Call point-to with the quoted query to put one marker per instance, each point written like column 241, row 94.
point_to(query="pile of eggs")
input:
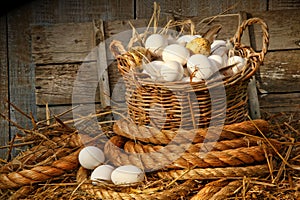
column 188, row 56
column 93, row 158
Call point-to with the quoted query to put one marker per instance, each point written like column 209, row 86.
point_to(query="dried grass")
column 282, row 182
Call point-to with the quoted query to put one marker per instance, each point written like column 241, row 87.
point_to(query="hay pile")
column 47, row 168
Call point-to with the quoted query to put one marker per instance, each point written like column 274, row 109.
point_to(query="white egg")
column 156, row 43
column 217, row 44
column 182, row 40
column 200, row 64
column 175, row 52
column 102, row 172
column 216, row 61
column 172, row 71
column 238, row 61
column 153, row 68
column 90, row 157
column 127, row 174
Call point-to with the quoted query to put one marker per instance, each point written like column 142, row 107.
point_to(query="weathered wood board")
column 280, row 72
column 284, row 29
column 283, row 4
column 4, row 86
column 62, row 43
column 190, row 8
column 282, row 102
column 74, row 11
column 55, row 83
column 21, row 71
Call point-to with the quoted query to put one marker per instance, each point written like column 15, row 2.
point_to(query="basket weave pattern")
column 170, row 105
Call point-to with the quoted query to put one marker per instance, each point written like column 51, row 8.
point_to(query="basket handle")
column 264, row 27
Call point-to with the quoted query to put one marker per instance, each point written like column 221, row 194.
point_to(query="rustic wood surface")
column 189, row 8
column 282, row 102
column 284, row 29
column 4, row 86
column 54, row 84
column 15, row 58
column 62, row 43
column 102, row 64
column 21, row 70
column 280, row 72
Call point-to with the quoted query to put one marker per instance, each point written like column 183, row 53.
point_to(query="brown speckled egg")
column 199, row 46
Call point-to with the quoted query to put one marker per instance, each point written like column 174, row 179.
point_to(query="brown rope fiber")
column 155, row 136
column 39, row 173
column 215, row 173
column 147, row 158
column 133, row 147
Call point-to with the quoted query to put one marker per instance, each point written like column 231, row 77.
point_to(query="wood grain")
column 190, row 8
column 4, row 85
column 276, row 103
column 70, row 11
column 21, row 71
column 283, row 4
column 284, row 29
column 102, row 64
column 280, row 72
column 67, row 84
column 61, row 43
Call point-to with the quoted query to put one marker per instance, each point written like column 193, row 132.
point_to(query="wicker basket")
column 174, row 105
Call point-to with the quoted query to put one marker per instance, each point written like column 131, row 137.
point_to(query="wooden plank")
column 102, row 64
column 275, row 103
column 283, row 4
column 284, row 29
column 75, row 11
column 119, row 9
column 21, row 71
column 55, row 84
column 61, row 43
column 4, row 93
column 87, row 10
column 207, row 8
column 280, row 72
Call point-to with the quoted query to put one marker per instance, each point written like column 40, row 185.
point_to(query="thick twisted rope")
column 155, row 136
column 214, row 173
column 133, row 147
column 39, row 173
column 51, row 158
column 145, row 158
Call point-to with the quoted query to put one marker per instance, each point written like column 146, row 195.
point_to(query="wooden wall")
column 18, row 71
